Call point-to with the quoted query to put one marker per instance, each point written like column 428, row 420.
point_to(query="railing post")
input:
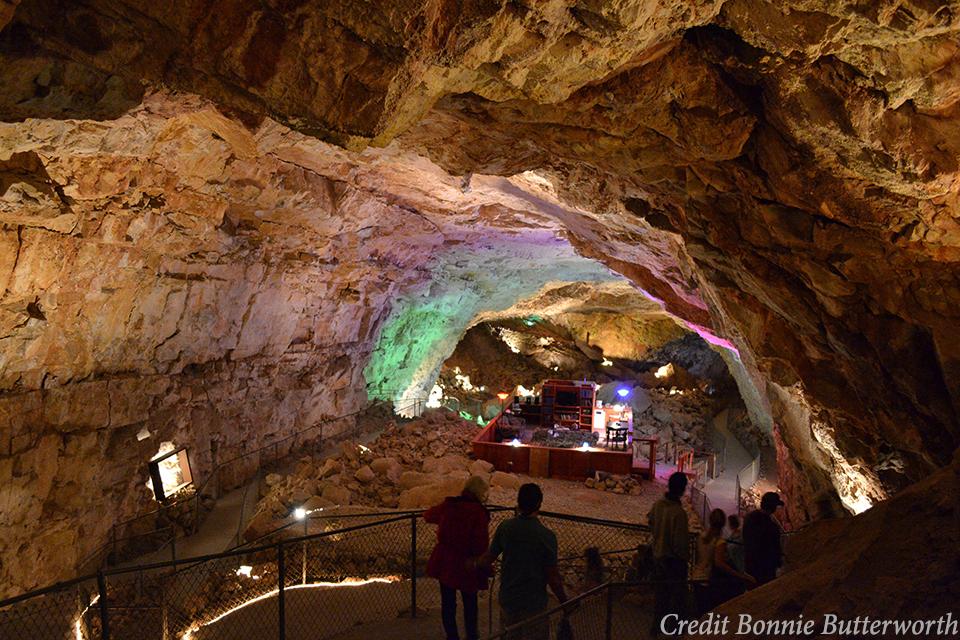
column 196, row 513
column 104, row 614
column 608, row 631
column 164, row 615
column 306, row 531
column 413, row 566
column 281, row 608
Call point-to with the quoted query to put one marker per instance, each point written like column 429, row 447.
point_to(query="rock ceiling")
column 213, row 210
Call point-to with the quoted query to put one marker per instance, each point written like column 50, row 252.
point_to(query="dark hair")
column 733, row 521
column 677, row 483
column 770, row 501
column 529, row 498
column 715, row 520
column 594, row 569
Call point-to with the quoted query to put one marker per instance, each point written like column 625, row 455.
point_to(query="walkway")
column 220, row 530
column 722, row 491
column 223, row 527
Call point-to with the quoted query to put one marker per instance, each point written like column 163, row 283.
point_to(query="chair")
column 616, row 437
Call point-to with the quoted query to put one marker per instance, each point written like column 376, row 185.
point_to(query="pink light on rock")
column 709, row 336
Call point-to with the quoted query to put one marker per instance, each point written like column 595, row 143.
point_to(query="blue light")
column 623, row 392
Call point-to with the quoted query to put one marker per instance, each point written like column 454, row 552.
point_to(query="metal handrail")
column 572, row 603
column 752, row 463
column 396, row 516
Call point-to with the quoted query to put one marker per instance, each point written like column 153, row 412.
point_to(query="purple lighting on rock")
column 623, row 392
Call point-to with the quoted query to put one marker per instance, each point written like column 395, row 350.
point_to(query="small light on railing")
column 515, row 443
column 585, row 446
column 299, row 513
column 503, row 395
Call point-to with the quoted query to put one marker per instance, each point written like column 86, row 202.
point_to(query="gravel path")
column 575, row 498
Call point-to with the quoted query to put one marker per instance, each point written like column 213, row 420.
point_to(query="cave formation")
column 221, row 222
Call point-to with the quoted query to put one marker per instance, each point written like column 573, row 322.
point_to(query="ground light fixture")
column 299, row 513
column 503, row 396
column 515, row 443
column 623, row 392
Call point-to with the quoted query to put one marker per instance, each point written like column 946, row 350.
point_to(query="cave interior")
column 223, row 223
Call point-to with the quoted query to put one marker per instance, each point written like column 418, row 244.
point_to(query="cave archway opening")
column 689, row 392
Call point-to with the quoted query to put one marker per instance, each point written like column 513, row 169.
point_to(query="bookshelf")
column 568, row 403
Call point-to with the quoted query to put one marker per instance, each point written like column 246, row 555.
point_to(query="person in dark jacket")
column 671, row 550
column 462, row 536
column 762, row 552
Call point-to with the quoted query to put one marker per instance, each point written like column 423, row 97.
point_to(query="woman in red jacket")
column 463, row 535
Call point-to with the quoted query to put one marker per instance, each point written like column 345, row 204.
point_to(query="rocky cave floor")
column 415, row 466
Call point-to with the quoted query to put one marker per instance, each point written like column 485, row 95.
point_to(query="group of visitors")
column 462, row 559
column 726, row 563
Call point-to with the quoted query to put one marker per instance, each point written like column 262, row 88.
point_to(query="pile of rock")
column 679, row 418
column 603, row 481
column 412, row 466
column 564, row 438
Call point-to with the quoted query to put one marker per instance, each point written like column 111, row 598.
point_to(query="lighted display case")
column 169, row 473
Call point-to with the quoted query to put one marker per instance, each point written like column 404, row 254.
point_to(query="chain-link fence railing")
column 348, row 570
column 62, row 612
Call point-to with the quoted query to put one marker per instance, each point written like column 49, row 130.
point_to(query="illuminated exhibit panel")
column 169, row 471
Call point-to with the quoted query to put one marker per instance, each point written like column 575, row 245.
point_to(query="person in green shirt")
column 529, row 551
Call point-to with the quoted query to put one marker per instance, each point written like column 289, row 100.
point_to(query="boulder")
column 336, row 494
column 481, row 468
column 411, row 479
column 506, row 480
column 273, row 479
column 426, row 496
column 460, row 475
column 446, row 464
column 350, row 450
column 330, row 467
column 316, row 503
column 299, row 495
column 380, row 466
column 260, row 525
column 412, row 429
column 365, row 474
column 663, row 415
